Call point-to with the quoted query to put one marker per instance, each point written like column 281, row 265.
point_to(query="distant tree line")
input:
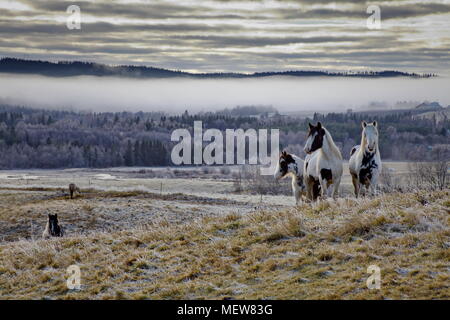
column 78, row 68
column 33, row 138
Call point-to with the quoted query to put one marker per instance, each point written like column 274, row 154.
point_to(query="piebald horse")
column 365, row 160
column 323, row 165
column 291, row 165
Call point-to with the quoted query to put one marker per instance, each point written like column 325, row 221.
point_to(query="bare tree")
column 249, row 179
column 389, row 182
column 432, row 175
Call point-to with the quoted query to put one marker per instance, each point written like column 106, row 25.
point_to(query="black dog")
column 52, row 229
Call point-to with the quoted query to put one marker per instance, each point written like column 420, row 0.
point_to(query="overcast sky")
column 242, row 36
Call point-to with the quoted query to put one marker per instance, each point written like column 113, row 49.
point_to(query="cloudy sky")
column 226, row 35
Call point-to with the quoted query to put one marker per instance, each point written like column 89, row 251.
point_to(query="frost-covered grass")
column 229, row 249
column 23, row 211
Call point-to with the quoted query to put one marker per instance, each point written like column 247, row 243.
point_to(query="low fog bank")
column 175, row 95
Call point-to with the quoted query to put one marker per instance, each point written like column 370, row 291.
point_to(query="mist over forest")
column 287, row 94
column 91, row 121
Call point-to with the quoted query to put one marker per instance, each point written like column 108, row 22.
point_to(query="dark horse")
column 72, row 189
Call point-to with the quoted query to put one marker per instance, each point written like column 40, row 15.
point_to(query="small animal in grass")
column 72, row 189
column 291, row 165
column 53, row 229
column 365, row 161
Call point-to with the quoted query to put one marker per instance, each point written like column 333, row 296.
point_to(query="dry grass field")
column 150, row 245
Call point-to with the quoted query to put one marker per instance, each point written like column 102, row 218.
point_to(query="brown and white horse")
column 289, row 165
column 365, row 160
column 323, row 165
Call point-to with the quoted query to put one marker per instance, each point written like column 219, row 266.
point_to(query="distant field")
column 192, row 181
column 198, row 239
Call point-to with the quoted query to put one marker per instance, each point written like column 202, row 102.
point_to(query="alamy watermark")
column 235, row 147
column 74, row 19
column 74, row 280
column 374, row 281
column 374, row 21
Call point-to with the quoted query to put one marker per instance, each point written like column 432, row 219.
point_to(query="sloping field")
column 206, row 249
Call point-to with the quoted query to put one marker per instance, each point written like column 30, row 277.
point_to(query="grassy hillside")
column 319, row 252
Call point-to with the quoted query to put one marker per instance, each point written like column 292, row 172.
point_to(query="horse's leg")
column 330, row 190
column 296, row 195
column 355, row 184
column 310, row 189
column 307, row 197
column 336, row 184
column 324, row 187
column 310, row 193
column 361, row 190
column 372, row 190
column 374, row 185
column 365, row 189
column 299, row 199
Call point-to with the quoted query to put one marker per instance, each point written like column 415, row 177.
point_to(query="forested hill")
column 79, row 68
column 33, row 138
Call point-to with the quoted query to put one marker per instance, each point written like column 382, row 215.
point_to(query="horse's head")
column 285, row 165
column 315, row 138
column 370, row 136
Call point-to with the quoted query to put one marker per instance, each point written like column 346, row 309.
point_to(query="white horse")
column 291, row 165
column 324, row 165
column 365, row 160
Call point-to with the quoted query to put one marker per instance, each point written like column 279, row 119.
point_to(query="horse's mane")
column 363, row 141
column 295, row 157
column 332, row 145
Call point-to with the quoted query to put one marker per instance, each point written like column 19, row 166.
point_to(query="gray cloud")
column 160, row 10
column 223, row 35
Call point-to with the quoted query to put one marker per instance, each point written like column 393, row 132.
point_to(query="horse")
column 365, row 161
column 291, row 165
column 72, row 189
column 52, row 228
column 323, row 166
